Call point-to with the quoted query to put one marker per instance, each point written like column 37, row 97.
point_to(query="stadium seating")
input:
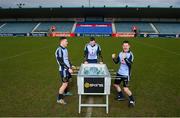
column 94, row 28
column 60, row 26
column 171, row 28
column 15, row 27
column 89, row 27
column 126, row 27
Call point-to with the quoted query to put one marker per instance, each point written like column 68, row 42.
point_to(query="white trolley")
column 93, row 79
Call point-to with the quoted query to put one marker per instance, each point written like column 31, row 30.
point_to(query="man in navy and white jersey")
column 65, row 68
column 125, row 58
column 92, row 52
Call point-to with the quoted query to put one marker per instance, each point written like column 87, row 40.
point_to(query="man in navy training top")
column 65, row 68
column 125, row 59
column 92, row 52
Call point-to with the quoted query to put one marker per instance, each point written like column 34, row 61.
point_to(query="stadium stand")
column 90, row 27
column 73, row 18
column 172, row 28
column 60, row 26
column 15, row 27
column 94, row 28
column 126, row 27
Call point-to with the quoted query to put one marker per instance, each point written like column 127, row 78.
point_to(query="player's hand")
column 123, row 61
column 70, row 70
column 85, row 62
column 101, row 62
column 113, row 55
column 73, row 67
column 124, row 55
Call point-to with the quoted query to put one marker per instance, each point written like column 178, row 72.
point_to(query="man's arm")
column 85, row 53
column 99, row 54
column 59, row 57
column 70, row 64
column 129, row 60
column 116, row 60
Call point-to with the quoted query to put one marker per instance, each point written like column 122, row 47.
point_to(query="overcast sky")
column 99, row 3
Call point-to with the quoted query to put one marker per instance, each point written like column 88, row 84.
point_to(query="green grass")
column 29, row 78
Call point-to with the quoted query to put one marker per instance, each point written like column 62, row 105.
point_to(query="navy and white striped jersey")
column 125, row 60
column 62, row 58
column 92, row 52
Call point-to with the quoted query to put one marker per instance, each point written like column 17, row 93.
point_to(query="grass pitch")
column 29, row 78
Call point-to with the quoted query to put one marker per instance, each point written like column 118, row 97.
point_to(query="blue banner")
column 98, row 35
column 161, row 35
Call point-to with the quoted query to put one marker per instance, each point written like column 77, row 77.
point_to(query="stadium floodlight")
column 20, row 5
column 89, row 3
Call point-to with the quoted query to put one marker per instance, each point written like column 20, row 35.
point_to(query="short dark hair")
column 92, row 39
column 125, row 42
column 62, row 38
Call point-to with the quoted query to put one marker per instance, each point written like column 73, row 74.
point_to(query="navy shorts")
column 65, row 75
column 92, row 60
column 122, row 78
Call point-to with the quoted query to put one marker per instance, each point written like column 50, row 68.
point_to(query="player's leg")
column 64, row 85
column 116, row 85
column 120, row 95
column 128, row 92
column 66, row 91
column 61, row 92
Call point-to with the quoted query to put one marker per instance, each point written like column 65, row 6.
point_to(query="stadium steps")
column 35, row 27
column 154, row 28
column 2, row 25
column 113, row 28
column 74, row 27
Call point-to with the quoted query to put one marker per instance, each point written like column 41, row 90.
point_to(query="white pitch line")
column 89, row 109
column 21, row 54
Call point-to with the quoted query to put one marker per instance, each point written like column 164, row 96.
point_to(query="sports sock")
column 60, row 96
column 131, row 98
column 120, row 94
